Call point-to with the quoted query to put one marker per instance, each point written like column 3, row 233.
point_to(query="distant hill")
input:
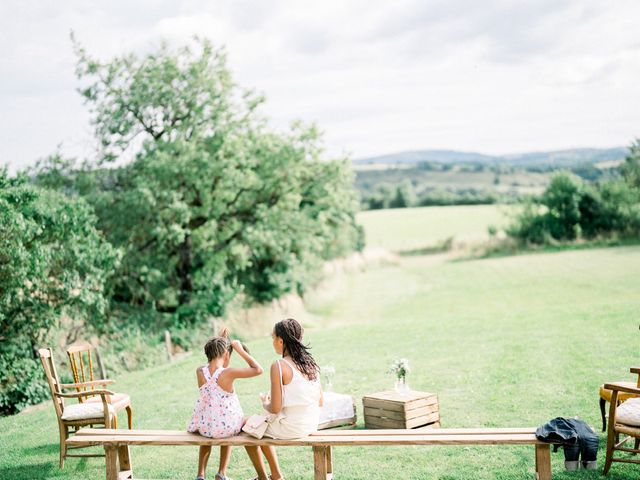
column 558, row 158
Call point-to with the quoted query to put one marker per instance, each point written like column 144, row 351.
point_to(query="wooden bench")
column 119, row 467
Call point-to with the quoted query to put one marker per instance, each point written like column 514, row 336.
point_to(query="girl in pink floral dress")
column 217, row 412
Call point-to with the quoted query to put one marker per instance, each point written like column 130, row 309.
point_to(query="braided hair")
column 217, row 346
column 290, row 331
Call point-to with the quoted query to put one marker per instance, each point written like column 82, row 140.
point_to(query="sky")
column 377, row 77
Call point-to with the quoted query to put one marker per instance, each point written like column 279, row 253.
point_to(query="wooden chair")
column 71, row 417
column 616, row 429
column 81, row 362
column 605, row 395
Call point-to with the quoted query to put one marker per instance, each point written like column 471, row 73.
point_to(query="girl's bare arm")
column 275, row 404
column 200, row 377
column 254, row 368
column 226, row 378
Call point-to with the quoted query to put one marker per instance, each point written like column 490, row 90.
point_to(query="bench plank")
column 426, row 431
column 326, row 433
column 189, row 439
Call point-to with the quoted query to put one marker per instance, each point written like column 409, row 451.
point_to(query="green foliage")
column 21, row 377
column 214, row 203
column 461, row 196
column 620, row 206
column 561, row 199
column 630, row 169
column 570, row 209
column 554, row 216
column 53, row 262
column 530, row 225
column 405, row 196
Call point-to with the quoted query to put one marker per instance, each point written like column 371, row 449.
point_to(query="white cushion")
column 628, row 412
column 85, row 411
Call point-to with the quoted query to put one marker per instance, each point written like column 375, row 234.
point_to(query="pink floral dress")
column 217, row 413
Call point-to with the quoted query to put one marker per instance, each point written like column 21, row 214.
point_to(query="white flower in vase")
column 400, row 368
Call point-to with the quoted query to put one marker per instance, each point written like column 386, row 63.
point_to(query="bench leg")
column 111, row 459
column 320, row 463
column 124, row 458
column 329, row 464
column 543, row 462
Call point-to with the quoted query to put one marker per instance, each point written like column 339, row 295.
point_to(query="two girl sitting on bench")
column 293, row 403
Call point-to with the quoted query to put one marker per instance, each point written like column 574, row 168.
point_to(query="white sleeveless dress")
column 300, row 410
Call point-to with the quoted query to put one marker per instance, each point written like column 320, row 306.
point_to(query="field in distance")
column 402, row 229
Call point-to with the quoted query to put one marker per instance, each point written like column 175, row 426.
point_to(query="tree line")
column 431, row 183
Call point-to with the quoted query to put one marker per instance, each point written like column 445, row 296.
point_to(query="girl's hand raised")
column 237, row 345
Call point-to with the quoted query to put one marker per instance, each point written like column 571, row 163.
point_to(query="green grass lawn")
column 504, row 342
column 411, row 228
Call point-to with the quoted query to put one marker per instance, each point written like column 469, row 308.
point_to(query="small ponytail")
column 217, row 346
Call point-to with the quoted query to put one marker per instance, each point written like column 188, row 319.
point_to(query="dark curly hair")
column 290, row 331
column 217, row 346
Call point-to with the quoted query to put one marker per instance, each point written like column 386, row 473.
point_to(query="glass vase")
column 402, row 387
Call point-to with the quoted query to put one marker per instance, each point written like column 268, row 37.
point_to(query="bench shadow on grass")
column 44, row 470
column 37, row 471
column 43, row 449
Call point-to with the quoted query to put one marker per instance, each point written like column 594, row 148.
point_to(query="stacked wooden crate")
column 393, row 410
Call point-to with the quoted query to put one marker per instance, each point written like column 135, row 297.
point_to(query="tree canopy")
column 214, row 202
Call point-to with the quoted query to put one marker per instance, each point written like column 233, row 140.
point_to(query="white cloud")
column 492, row 76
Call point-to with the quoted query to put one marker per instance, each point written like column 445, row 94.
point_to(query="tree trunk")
column 184, row 271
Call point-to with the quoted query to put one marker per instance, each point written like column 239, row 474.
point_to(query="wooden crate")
column 392, row 410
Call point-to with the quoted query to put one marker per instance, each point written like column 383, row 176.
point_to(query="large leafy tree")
column 53, row 262
column 214, row 202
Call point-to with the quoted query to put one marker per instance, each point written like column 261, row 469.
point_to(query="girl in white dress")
column 296, row 396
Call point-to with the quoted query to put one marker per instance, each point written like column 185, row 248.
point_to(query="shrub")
column 53, row 262
column 562, row 199
column 570, row 209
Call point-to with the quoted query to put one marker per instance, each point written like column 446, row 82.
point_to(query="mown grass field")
column 405, row 229
column 505, row 342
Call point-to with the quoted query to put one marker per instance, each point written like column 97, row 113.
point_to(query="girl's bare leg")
column 203, row 458
column 256, row 459
column 225, row 457
column 272, row 458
